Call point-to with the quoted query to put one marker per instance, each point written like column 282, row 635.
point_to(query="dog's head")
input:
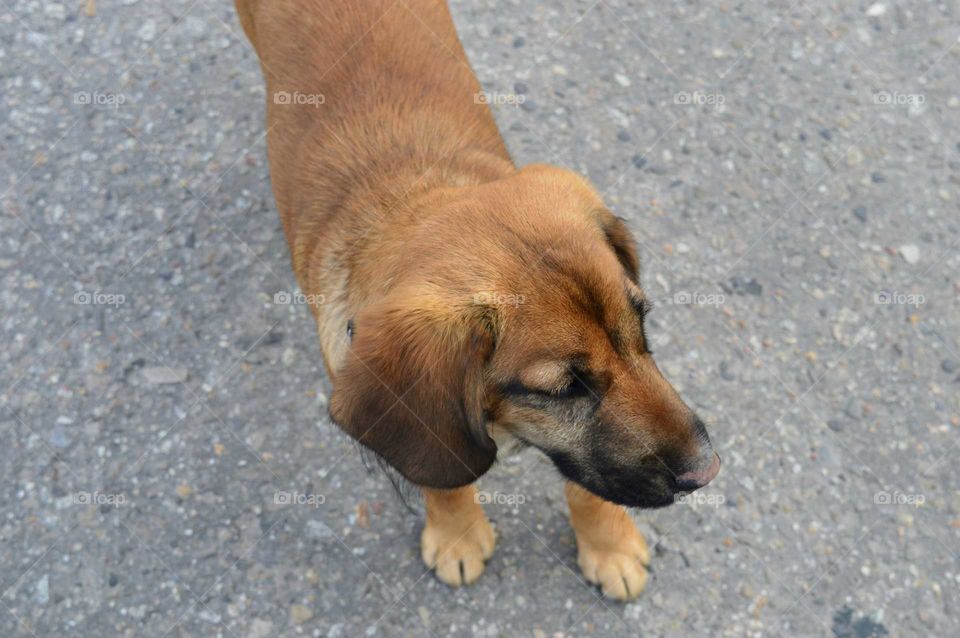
column 531, row 323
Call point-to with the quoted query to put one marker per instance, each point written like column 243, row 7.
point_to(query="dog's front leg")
column 610, row 550
column 457, row 537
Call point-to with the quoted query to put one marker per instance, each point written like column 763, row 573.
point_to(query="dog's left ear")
column 411, row 389
column 621, row 240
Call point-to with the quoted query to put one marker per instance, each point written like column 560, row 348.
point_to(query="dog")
column 467, row 304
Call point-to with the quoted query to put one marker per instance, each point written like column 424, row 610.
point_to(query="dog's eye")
column 576, row 386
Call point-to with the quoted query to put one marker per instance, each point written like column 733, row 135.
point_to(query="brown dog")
column 467, row 304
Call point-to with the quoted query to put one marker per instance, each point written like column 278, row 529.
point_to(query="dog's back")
column 360, row 91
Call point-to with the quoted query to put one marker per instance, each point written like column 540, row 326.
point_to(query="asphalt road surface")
column 792, row 173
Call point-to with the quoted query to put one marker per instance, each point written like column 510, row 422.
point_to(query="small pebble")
column 55, row 10
column 300, row 614
column 260, row 628
column 910, row 253
column 209, row 616
column 147, row 31
column 42, row 590
column 164, row 375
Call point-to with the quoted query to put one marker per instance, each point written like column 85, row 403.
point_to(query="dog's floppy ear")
column 411, row 389
column 621, row 240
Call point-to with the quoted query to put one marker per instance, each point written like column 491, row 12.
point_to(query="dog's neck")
column 376, row 195
column 374, row 206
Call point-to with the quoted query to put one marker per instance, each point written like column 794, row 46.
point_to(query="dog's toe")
column 640, row 550
column 455, row 553
column 620, row 576
column 459, row 570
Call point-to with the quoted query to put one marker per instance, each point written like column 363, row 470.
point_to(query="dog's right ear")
column 411, row 389
column 616, row 232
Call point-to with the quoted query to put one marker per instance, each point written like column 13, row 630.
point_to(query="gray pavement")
column 792, row 171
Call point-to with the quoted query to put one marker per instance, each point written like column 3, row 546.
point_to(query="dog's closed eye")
column 575, row 387
column 551, row 379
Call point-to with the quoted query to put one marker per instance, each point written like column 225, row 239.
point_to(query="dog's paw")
column 618, row 565
column 457, row 553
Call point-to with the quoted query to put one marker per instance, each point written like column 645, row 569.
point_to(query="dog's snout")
column 694, row 480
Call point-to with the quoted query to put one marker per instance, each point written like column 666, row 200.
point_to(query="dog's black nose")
column 690, row 481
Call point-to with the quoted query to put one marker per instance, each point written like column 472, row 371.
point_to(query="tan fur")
column 457, row 273
column 610, row 550
column 457, row 537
